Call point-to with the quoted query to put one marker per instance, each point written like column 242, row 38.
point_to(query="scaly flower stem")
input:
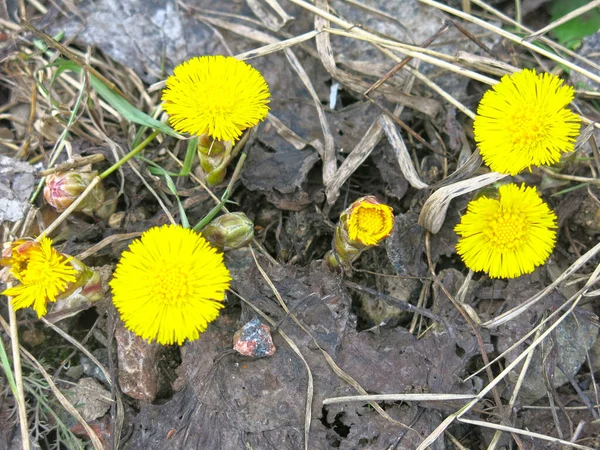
column 213, row 212
column 60, row 219
column 20, row 397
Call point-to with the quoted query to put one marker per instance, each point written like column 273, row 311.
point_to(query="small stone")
column 254, row 339
column 138, row 365
column 89, row 398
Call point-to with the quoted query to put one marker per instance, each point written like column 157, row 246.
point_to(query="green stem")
column 60, row 219
column 129, row 155
column 213, row 212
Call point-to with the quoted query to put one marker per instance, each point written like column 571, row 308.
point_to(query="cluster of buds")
column 362, row 225
column 63, row 188
column 214, row 157
column 229, row 231
column 46, row 275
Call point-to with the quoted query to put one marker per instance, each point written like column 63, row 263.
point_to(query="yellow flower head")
column 215, row 95
column 43, row 274
column 522, row 122
column 169, row 285
column 509, row 236
column 368, row 221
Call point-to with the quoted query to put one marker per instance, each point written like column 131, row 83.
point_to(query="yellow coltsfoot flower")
column 218, row 96
column 509, row 236
column 43, row 274
column 523, row 121
column 169, row 285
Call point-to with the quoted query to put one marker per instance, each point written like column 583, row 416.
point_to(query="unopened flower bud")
column 63, row 188
column 214, row 157
column 229, row 231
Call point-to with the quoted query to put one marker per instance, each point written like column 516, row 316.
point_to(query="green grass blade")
column 126, row 109
column 7, row 369
column 192, row 148
column 157, row 170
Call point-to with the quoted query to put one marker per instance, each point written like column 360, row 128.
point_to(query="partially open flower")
column 229, row 231
column 509, row 236
column 523, row 121
column 63, row 188
column 368, row 221
column 362, row 225
column 43, row 274
column 218, row 96
column 169, row 285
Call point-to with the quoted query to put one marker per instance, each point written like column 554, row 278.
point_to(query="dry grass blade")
column 363, row 149
column 523, row 339
column 78, row 162
column 279, row 10
column 354, row 82
column 574, row 300
column 18, row 373
column 542, row 39
column 327, row 152
column 276, row 46
column 105, row 372
column 468, row 168
column 404, row 161
column 269, row 19
column 524, row 433
column 561, row 176
column 437, row 89
column 584, row 136
column 356, row 157
column 486, row 64
column 437, row 432
column 286, row 133
column 67, row 212
column 310, row 389
column 575, row 13
column 517, row 310
column 427, row 106
column 107, row 241
column 421, row 55
column 338, row 371
column 434, row 210
column 59, row 395
column 81, row 348
column 398, row 398
column 515, row 393
column 513, row 38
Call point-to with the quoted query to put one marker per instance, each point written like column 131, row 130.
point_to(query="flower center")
column 370, row 220
column 217, row 99
column 172, row 283
column 527, row 126
column 507, row 229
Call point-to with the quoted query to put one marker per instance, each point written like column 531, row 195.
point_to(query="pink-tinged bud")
column 63, row 188
column 229, row 231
